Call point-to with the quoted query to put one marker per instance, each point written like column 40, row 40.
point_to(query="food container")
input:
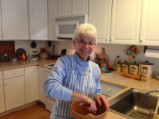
column 146, row 70
column 80, row 111
column 134, row 69
column 124, row 67
column 117, row 67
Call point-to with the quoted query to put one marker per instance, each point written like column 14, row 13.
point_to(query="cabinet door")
column 38, row 19
column 52, row 15
column 41, row 84
column 15, row 19
column 125, row 23
column 80, row 7
column 149, row 24
column 64, row 7
column 43, row 74
column 2, row 103
column 14, row 92
column 99, row 16
column 31, row 84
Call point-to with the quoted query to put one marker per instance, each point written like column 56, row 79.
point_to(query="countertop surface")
column 13, row 65
column 112, row 78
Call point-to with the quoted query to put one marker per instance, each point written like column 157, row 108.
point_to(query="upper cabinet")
column 15, row 19
column 72, row 7
column 38, row 20
column 52, row 15
column 100, row 16
column 125, row 22
column 149, row 34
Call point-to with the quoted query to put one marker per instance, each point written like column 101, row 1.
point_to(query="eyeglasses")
column 83, row 43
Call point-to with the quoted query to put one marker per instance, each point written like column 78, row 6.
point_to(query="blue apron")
column 82, row 83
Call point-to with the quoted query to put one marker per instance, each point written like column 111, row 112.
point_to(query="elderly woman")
column 75, row 77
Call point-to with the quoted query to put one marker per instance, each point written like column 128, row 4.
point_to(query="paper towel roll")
column 154, row 53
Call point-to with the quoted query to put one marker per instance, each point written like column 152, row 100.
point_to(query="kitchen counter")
column 129, row 83
column 113, row 78
column 11, row 65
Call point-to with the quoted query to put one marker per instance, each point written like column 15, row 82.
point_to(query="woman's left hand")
column 102, row 100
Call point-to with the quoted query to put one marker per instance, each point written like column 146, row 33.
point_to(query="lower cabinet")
column 43, row 76
column 2, row 103
column 41, row 84
column 14, row 92
column 31, row 84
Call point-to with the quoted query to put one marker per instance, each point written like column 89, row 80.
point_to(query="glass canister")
column 134, row 69
column 146, row 70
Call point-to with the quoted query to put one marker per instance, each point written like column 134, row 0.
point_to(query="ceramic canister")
column 134, row 69
column 146, row 70
column 124, row 67
column 117, row 67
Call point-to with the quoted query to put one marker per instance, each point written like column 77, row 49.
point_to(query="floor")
column 36, row 111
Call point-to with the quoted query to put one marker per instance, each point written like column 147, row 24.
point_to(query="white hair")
column 85, row 29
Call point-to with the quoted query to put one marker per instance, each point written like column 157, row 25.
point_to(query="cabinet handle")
column 141, row 39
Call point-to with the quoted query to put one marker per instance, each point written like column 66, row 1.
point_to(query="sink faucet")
column 151, row 91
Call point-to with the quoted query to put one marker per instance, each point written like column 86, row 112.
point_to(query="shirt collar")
column 81, row 65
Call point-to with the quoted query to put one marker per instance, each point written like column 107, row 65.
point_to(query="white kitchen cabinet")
column 43, row 76
column 125, row 22
column 15, row 19
column 100, row 16
column 14, row 88
column 38, row 20
column 2, row 102
column 31, row 84
column 42, row 97
column 52, row 15
column 48, row 101
column 72, row 7
column 149, row 23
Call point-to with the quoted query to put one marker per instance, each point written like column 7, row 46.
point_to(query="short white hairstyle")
column 85, row 29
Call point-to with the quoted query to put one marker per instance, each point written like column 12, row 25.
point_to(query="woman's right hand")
column 77, row 97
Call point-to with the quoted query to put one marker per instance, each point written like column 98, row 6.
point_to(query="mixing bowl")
column 80, row 111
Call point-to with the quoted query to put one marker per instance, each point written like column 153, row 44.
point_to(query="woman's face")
column 84, row 46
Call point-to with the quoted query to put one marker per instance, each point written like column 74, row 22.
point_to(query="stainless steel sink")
column 134, row 104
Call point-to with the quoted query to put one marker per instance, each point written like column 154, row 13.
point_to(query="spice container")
column 117, row 67
column 124, row 67
column 134, row 69
column 146, row 70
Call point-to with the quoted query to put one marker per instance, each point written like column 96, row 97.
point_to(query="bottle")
column 104, row 60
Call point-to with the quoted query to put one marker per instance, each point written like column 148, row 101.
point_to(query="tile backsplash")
column 7, row 47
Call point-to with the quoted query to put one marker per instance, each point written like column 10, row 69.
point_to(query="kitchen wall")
column 112, row 51
column 27, row 46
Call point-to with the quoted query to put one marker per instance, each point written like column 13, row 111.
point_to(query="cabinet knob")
column 141, row 39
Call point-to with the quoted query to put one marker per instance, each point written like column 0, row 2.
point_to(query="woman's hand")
column 90, row 103
column 102, row 100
